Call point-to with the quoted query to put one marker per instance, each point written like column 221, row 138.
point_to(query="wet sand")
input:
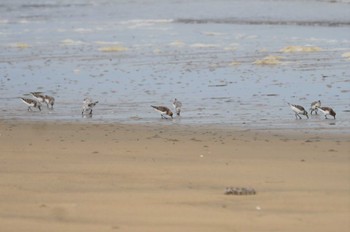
column 118, row 177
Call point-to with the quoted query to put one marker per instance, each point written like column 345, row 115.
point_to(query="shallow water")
column 227, row 61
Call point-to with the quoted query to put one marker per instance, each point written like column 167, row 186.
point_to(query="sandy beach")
column 119, row 177
column 235, row 66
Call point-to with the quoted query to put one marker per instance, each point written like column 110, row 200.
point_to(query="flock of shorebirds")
column 89, row 104
column 165, row 112
column 38, row 99
column 315, row 106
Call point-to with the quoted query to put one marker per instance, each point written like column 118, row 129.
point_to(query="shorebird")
column 298, row 110
column 49, row 101
column 88, row 104
column 177, row 106
column 314, row 106
column 163, row 110
column 327, row 111
column 31, row 103
column 44, row 99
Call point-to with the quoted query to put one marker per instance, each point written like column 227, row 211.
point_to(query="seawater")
column 234, row 63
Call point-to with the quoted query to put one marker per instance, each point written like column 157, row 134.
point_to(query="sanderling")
column 327, row 111
column 88, row 104
column 298, row 110
column 44, row 99
column 314, row 106
column 49, row 101
column 163, row 110
column 31, row 103
column 177, row 106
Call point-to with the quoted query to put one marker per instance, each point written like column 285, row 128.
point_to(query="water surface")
column 234, row 63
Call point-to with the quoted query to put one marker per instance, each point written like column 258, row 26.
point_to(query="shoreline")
column 324, row 130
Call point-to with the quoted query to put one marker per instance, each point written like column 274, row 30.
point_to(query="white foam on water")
column 139, row 23
column 71, row 42
column 203, row 45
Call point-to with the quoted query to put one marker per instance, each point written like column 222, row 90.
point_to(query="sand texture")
column 115, row 177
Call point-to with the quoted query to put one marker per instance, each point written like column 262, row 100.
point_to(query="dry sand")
column 114, row 177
